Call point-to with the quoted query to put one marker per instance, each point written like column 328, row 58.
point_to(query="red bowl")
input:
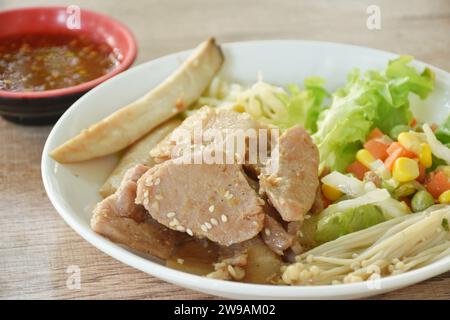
column 45, row 107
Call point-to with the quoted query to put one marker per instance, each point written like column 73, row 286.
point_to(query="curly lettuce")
column 374, row 99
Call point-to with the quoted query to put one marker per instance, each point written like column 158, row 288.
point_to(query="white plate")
column 73, row 188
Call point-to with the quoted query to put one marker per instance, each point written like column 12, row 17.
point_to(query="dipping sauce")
column 38, row 62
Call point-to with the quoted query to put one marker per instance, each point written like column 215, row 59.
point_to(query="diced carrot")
column 413, row 122
column 375, row 133
column 403, row 152
column 358, row 169
column 422, row 174
column 437, row 183
column 378, row 148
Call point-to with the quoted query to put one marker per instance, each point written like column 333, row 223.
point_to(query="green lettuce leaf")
column 443, row 132
column 374, row 99
column 335, row 225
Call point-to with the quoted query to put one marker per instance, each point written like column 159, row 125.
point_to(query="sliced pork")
column 119, row 219
column 275, row 236
column 227, row 122
column 213, row 201
column 291, row 188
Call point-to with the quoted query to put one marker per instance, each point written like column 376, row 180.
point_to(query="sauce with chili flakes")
column 45, row 61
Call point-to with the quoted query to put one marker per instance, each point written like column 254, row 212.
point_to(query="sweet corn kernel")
column 445, row 197
column 405, row 169
column 409, row 142
column 425, row 157
column 330, row 192
column 365, row 157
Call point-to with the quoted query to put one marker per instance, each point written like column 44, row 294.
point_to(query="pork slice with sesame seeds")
column 122, row 202
column 121, row 220
column 195, row 193
column 227, row 122
column 291, row 185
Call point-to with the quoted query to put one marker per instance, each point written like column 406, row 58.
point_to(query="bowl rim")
column 225, row 288
column 127, row 61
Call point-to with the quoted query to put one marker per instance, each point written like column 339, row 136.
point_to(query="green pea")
column 395, row 131
column 404, row 190
column 421, row 201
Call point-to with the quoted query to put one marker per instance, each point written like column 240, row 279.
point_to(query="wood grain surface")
column 37, row 247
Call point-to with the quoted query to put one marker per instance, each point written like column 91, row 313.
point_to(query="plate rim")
column 221, row 287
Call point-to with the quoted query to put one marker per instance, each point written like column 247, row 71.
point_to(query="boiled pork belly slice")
column 121, row 220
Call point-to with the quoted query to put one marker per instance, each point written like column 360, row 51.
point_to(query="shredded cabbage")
column 437, row 148
column 274, row 105
column 371, row 197
column 355, row 188
column 346, row 184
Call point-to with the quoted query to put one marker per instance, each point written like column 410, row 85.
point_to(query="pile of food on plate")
column 350, row 186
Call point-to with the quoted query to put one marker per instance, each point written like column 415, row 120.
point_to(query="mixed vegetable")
column 402, row 164
column 377, row 161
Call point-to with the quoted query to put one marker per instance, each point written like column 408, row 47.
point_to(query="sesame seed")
column 267, row 232
column 204, row 228
column 211, row 208
column 159, row 197
column 170, row 214
column 214, row 221
column 180, row 261
column 189, row 232
column 172, row 223
column 307, row 217
column 180, row 228
column 228, row 195
column 224, row 218
column 208, row 225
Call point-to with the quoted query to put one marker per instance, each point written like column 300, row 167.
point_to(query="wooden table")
column 37, row 247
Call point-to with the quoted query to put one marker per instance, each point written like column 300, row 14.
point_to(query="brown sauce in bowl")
column 39, row 62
